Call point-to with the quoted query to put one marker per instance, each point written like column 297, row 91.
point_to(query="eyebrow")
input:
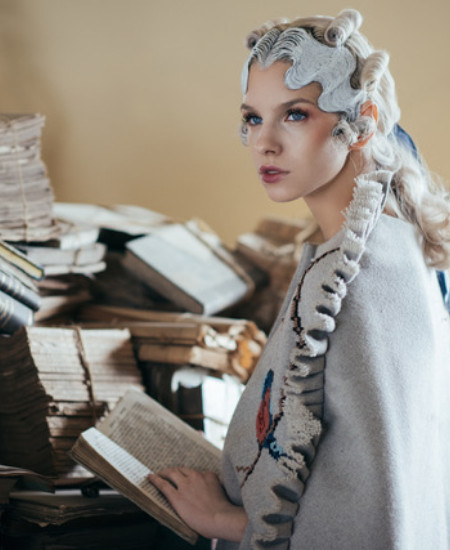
column 286, row 105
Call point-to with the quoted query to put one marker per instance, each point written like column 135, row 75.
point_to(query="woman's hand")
column 199, row 499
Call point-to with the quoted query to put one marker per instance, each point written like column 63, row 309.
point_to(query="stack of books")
column 117, row 223
column 12, row 478
column 69, row 262
column 225, row 345
column 76, row 250
column 275, row 246
column 69, row 520
column 117, row 286
column 55, row 383
column 19, row 295
column 26, row 198
column 196, row 366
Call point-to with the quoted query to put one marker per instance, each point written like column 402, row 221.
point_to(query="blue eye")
column 253, row 120
column 296, row 115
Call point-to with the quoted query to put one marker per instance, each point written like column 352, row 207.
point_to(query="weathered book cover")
column 13, row 314
column 182, row 268
column 17, row 290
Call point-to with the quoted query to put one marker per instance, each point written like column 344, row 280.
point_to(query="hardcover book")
column 184, row 269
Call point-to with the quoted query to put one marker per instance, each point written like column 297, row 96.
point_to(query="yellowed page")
column 127, row 465
column 156, row 437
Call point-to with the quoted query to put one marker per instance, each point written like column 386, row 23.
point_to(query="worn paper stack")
column 26, row 197
column 55, row 383
column 69, row 520
column 76, row 250
column 275, row 246
column 224, row 345
column 12, row 478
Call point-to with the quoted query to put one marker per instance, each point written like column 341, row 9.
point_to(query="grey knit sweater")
column 341, row 440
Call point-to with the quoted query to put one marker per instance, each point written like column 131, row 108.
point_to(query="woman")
column 341, row 439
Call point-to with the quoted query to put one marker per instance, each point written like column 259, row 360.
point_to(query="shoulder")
column 393, row 272
column 393, row 246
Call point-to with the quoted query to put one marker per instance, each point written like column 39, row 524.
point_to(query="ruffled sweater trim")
column 313, row 317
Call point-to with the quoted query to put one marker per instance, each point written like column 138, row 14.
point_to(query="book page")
column 127, row 465
column 156, row 437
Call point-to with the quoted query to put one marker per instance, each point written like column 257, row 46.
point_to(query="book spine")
column 13, row 314
column 14, row 288
column 13, row 255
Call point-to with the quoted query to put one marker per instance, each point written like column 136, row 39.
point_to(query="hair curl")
column 415, row 195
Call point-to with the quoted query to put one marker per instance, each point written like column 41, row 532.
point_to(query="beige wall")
column 142, row 96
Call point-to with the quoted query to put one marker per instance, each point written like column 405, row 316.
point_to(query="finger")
column 166, row 486
column 168, row 472
column 186, row 472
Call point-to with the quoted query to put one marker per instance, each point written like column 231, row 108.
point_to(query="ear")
column 368, row 108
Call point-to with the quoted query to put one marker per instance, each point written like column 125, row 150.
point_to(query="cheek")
column 252, row 149
column 329, row 149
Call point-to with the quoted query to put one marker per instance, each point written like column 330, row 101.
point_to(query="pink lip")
column 271, row 174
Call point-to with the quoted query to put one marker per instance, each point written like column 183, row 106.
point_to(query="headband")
column 312, row 61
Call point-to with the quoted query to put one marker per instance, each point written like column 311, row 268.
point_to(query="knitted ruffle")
column 313, row 316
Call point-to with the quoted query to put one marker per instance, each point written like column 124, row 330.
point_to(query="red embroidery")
column 263, row 418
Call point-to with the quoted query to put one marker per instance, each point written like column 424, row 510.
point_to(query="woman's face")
column 289, row 137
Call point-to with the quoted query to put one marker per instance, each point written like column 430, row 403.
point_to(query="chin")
column 281, row 197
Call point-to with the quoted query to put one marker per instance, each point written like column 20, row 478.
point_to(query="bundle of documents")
column 26, row 198
column 55, row 383
column 11, row 478
column 117, row 223
column 61, row 296
column 225, row 345
column 71, row 521
column 76, row 250
column 69, row 261
column 274, row 246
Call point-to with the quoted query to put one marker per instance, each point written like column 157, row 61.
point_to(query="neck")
column 329, row 203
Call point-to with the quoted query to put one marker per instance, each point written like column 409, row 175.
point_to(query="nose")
column 267, row 141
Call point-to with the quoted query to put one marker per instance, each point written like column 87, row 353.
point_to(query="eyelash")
column 247, row 119
column 297, row 112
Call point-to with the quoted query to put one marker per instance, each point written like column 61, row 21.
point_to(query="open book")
column 140, row 436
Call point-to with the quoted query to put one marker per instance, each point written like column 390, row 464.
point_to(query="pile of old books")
column 274, row 246
column 54, row 383
column 163, row 262
column 96, row 272
column 69, row 261
column 76, row 250
column 68, row 520
column 225, row 345
column 26, row 198
column 194, row 365
column 15, row 478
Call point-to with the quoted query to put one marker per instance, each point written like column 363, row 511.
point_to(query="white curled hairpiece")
column 312, row 61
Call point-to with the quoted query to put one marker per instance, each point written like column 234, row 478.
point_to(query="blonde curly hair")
column 415, row 195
